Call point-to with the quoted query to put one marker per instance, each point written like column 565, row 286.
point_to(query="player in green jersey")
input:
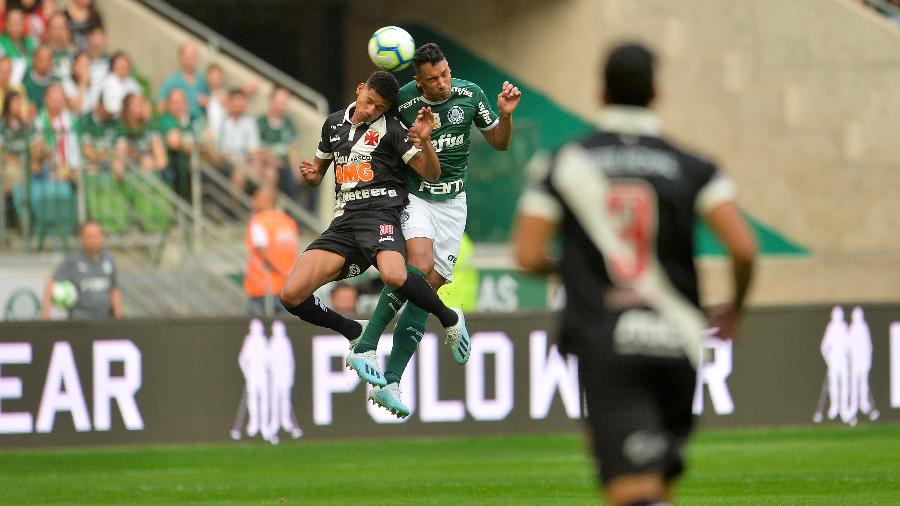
column 434, row 221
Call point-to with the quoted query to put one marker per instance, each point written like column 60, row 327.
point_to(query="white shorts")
column 443, row 222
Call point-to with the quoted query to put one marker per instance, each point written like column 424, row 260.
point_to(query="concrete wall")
column 796, row 100
column 152, row 43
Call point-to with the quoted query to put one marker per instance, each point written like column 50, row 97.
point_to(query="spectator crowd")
column 69, row 106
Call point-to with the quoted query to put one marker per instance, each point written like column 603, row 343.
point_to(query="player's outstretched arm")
column 531, row 239
column 500, row 136
column 312, row 171
column 426, row 162
column 729, row 226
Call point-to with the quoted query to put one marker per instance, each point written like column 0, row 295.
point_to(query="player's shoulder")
column 408, row 96
column 73, row 258
column 336, row 117
column 691, row 161
column 394, row 124
column 106, row 256
column 393, row 119
column 464, row 88
column 409, row 89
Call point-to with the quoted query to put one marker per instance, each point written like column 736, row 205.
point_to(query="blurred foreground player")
column 370, row 150
column 625, row 201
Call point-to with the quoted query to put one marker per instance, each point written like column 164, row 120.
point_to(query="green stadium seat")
column 53, row 209
column 152, row 210
column 106, row 203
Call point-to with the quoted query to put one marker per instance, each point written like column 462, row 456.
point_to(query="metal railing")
column 222, row 44
column 885, row 8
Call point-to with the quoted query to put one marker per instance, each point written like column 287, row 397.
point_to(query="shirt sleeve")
column 258, row 236
column 164, row 90
column 202, row 86
column 291, row 129
column 717, row 190
column 485, row 117
column 64, row 271
column 324, row 151
column 113, row 275
column 399, row 140
column 539, row 199
column 252, row 134
column 69, row 88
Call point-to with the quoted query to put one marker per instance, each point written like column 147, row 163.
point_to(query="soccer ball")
column 64, row 294
column 391, row 48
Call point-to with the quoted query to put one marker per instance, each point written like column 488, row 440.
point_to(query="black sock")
column 420, row 293
column 312, row 310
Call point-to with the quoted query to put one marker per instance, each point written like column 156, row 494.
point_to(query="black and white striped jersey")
column 626, row 201
column 368, row 160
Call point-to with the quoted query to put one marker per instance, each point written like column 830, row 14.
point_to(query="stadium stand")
column 839, row 143
column 99, row 153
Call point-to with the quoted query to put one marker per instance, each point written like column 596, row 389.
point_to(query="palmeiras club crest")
column 455, row 115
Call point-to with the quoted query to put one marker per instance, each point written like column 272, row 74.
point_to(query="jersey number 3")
column 632, row 207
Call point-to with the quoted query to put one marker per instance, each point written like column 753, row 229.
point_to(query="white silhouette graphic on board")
column 847, row 350
column 253, row 361
column 860, row 363
column 268, row 366
column 281, row 372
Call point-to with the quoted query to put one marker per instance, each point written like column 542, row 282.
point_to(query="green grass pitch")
column 817, row 465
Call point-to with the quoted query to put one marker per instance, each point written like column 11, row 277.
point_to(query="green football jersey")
column 101, row 135
column 453, row 119
column 16, row 138
column 277, row 141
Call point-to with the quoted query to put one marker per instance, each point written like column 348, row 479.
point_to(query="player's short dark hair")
column 628, row 75
column 340, row 285
column 385, row 84
column 428, row 53
column 236, row 92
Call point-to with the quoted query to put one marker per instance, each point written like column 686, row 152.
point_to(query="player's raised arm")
column 500, row 135
column 312, row 171
column 425, row 162
column 729, row 226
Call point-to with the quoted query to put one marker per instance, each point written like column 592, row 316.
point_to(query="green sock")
column 407, row 335
column 389, row 303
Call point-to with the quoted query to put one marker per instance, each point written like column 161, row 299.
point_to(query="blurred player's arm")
column 115, row 294
column 500, row 136
column 531, row 238
column 425, row 162
column 115, row 302
column 537, row 220
column 61, row 273
column 46, row 300
column 729, row 226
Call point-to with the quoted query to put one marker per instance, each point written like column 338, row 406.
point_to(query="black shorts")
column 639, row 409
column 359, row 235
